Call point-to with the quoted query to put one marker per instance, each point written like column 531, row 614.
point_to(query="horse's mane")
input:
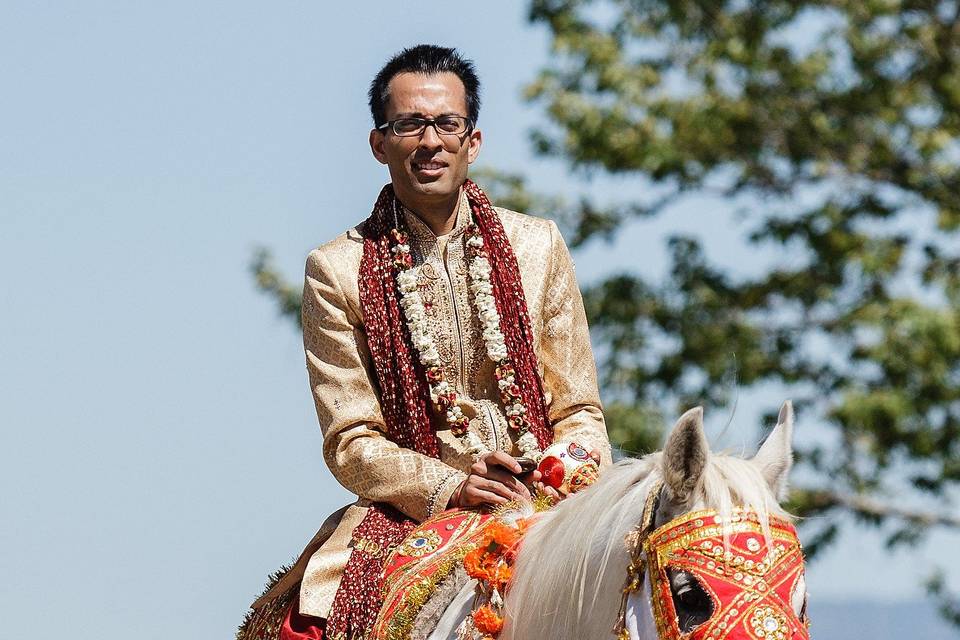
column 580, row 545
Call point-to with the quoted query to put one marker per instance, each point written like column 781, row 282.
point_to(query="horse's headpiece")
column 751, row 579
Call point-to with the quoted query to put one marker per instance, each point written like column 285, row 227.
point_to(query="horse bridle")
column 637, row 568
column 750, row 566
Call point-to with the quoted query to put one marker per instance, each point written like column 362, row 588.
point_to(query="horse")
column 610, row 561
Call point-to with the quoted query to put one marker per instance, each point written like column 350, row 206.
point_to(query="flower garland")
column 443, row 395
column 510, row 395
column 491, row 564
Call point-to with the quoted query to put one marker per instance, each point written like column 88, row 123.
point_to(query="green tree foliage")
column 832, row 127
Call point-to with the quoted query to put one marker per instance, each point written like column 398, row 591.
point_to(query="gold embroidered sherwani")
column 344, row 388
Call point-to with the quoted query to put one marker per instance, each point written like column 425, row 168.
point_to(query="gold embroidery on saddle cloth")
column 401, row 622
column 420, row 544
column 410, row 580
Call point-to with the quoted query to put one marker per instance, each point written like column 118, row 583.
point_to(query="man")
column 443, row 338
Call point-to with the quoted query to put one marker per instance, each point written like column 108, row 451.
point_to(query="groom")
column 444, row 338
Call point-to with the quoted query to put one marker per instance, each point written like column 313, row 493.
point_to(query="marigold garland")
column 491, row 564
column 487, row 621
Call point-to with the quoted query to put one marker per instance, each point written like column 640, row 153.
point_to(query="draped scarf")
column 405, row 393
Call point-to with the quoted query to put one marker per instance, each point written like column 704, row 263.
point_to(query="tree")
column 832, row 128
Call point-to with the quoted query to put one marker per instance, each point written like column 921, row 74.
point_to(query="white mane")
column 580, row 545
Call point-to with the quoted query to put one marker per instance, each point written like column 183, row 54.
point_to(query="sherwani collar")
column 422, row 231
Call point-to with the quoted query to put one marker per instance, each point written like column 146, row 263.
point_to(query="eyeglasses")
column 444, row 125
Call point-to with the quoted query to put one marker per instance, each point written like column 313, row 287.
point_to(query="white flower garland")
column 479, row 270
column 442, row 393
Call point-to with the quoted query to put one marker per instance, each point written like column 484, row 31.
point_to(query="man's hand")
column 492, row 481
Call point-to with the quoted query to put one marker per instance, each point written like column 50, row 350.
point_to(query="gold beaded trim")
column 417, row 596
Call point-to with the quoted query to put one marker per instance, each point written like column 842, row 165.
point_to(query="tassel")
column 635, row 577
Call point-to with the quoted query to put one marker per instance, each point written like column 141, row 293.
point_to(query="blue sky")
column 160, row 450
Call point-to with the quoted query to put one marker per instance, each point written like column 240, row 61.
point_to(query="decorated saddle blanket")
column 415, row 569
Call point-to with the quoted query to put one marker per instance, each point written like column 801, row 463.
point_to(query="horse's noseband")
column 749, row 577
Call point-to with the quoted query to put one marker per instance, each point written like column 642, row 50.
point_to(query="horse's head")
column 691, row 483
column 710, row 551
column 720, row 557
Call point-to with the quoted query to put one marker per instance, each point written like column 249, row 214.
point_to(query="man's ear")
column 377, row 139
column 475, row 141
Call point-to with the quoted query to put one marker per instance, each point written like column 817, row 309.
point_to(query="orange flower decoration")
column 487, row 621
column 474, row 565
column 490, row 563
column 502, row 535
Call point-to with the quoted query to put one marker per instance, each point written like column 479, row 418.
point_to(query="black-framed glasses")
column 444, row 125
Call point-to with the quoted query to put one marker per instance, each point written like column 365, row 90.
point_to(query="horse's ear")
column 685, row 456
column 775, row 456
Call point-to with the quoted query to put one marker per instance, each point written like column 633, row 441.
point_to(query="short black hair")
column 425, row 59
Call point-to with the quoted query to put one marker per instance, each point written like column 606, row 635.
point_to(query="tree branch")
column 823, row 499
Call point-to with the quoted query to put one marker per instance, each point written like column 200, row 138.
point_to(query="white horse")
column 568, row 580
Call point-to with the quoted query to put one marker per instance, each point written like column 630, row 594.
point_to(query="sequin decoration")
column 750, row 580
column 420, row 543
column 410, row 581
column 577, row 452
column 768, row 624
column 583, row 477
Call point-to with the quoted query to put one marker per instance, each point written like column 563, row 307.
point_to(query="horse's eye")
column 690, row 600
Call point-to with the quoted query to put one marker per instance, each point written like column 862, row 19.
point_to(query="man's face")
column 430, row 166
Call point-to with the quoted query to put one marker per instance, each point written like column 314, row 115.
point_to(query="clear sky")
column 160, row 453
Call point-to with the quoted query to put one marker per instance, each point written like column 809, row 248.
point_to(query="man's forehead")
column 426, row 94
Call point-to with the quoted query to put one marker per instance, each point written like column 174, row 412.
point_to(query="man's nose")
column 430, row 139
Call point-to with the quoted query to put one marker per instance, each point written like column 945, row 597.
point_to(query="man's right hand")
column 492, row 481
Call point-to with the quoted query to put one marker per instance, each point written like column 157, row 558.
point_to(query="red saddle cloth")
column 412, row 571
column 415, row 568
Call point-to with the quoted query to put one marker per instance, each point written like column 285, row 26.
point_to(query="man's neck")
column 439, row 215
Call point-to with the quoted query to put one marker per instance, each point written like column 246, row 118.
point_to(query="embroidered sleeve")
column 355, row 446
column 445, row 488
column 569, row 370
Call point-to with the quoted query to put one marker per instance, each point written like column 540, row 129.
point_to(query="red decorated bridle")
column 750, row 572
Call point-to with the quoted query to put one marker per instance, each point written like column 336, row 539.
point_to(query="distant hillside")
column 878, row 621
